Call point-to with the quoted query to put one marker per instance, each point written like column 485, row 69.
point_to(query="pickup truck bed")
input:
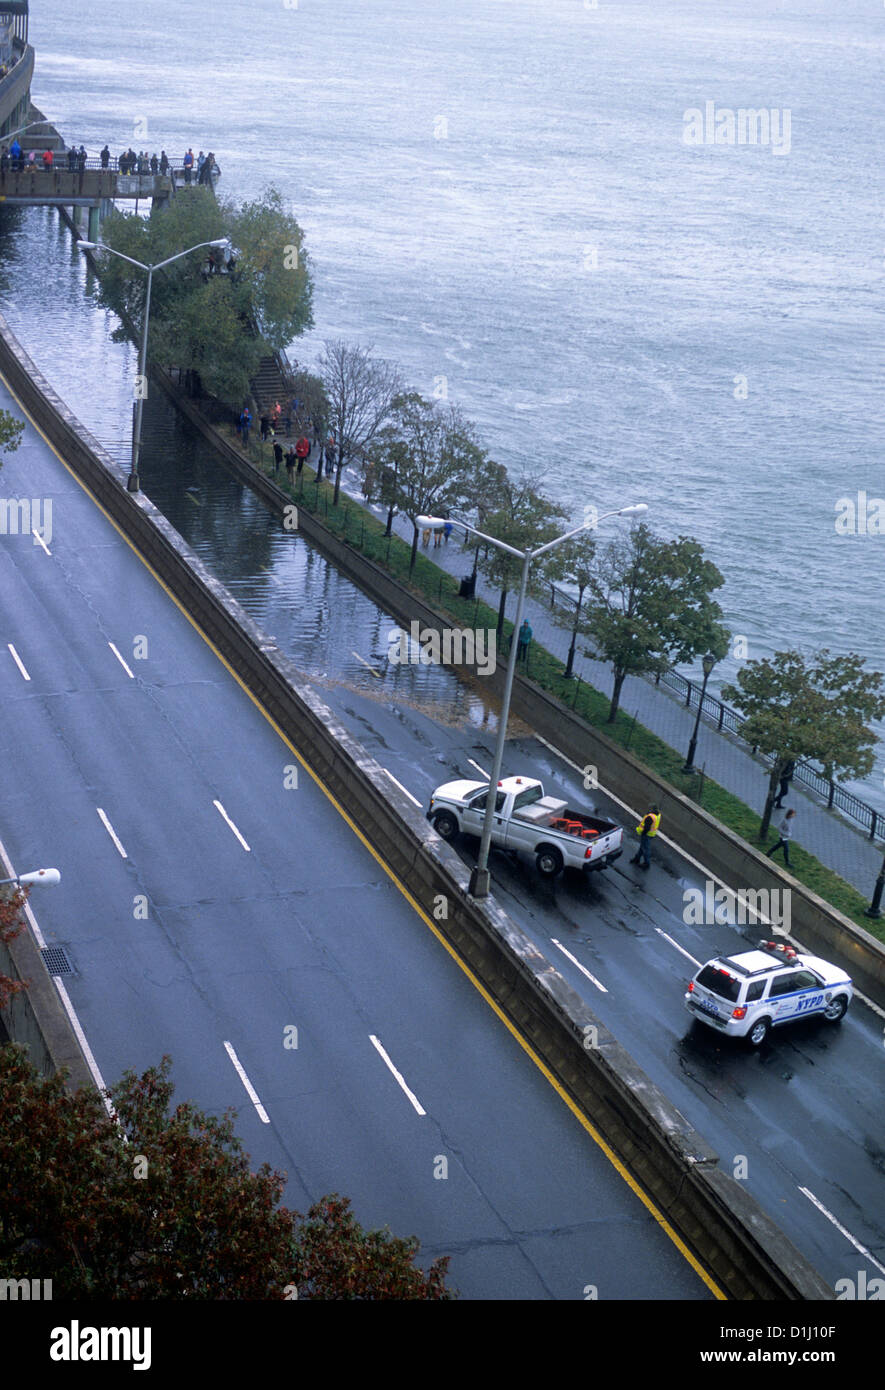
column 540, row 825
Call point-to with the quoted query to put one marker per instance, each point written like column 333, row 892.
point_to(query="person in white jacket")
column 785, row 830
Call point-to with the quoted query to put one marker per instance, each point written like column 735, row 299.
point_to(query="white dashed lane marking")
column 583, row 969
column 250, row 1089
column 110, row 829
column 679, row 948
column 221, row 811
column 18, row 661
column 839, row 1227
column 121, row 661
column 405, row 791
column 398, row 1075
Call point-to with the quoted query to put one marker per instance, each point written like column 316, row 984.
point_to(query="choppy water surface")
column 497, row 192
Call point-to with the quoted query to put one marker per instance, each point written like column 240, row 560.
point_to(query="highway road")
column 801, row 1120
column 208, row 906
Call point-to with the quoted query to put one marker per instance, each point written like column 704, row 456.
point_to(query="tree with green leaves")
column 818, row 709
column 156, row 1203
column 427, row 454
column 360, row 390
column 573, row 563
column 218, row 325
column 524, row 518
column 650, row 605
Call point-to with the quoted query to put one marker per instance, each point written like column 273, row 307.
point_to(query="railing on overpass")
column 32, row 181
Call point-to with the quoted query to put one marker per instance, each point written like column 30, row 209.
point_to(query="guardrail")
column 726, row 719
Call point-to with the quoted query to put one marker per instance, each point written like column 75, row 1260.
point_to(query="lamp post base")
column 480, row 882
column 874, row 909
column 132, row 483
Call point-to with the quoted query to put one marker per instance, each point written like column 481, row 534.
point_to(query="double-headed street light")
column 132, row 482
column 708, row 663
column 479, row 878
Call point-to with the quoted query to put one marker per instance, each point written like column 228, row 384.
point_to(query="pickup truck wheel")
column 549, row 861
column 445, row 825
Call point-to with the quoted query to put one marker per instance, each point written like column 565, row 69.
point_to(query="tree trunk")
column 620, row 677
column 339, row 467
column 773, row 782
column 501, row 607
column 388, row 530
column 571, row 651
column 414, row 548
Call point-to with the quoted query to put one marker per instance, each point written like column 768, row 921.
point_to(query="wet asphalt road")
column 804, row 1111
column 803, row 1119
column 135, row 764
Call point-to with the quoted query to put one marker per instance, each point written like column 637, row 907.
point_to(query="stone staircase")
column 270, row 383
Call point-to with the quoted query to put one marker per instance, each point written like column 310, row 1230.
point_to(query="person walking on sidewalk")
column 646, row 830
column 277, row 455
column 785, row 830
column 786, row 779
column 302, row 450
column 524, row 641
column 291, row 459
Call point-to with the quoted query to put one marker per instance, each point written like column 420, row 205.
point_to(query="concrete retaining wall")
column 725, row 1227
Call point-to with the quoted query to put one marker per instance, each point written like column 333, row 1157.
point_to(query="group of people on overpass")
column 12, row 156
column 140, row 163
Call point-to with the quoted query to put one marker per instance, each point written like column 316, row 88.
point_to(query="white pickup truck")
column 527, row 820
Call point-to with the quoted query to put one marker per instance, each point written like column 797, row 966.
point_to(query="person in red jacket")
column 302, row 449
column 47, row 159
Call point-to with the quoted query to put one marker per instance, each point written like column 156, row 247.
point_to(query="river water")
column 498, row 195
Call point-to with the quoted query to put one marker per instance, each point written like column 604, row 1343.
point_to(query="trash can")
column 467, row 586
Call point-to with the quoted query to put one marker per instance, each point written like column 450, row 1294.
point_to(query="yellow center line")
column 416, row 906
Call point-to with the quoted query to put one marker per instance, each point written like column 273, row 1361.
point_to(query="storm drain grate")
column 56, row 961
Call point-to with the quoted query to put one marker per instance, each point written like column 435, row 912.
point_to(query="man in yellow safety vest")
column 646, row 830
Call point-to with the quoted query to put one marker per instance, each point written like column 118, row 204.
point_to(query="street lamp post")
column 875, row 908
column 132, row 482
column 479, row 878
column 47, row 878
column 708, row 663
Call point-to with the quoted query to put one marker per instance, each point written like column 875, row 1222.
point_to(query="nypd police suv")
column 748, row 994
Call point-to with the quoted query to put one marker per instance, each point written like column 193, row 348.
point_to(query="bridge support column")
column 94, row 223
column 77, row 216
